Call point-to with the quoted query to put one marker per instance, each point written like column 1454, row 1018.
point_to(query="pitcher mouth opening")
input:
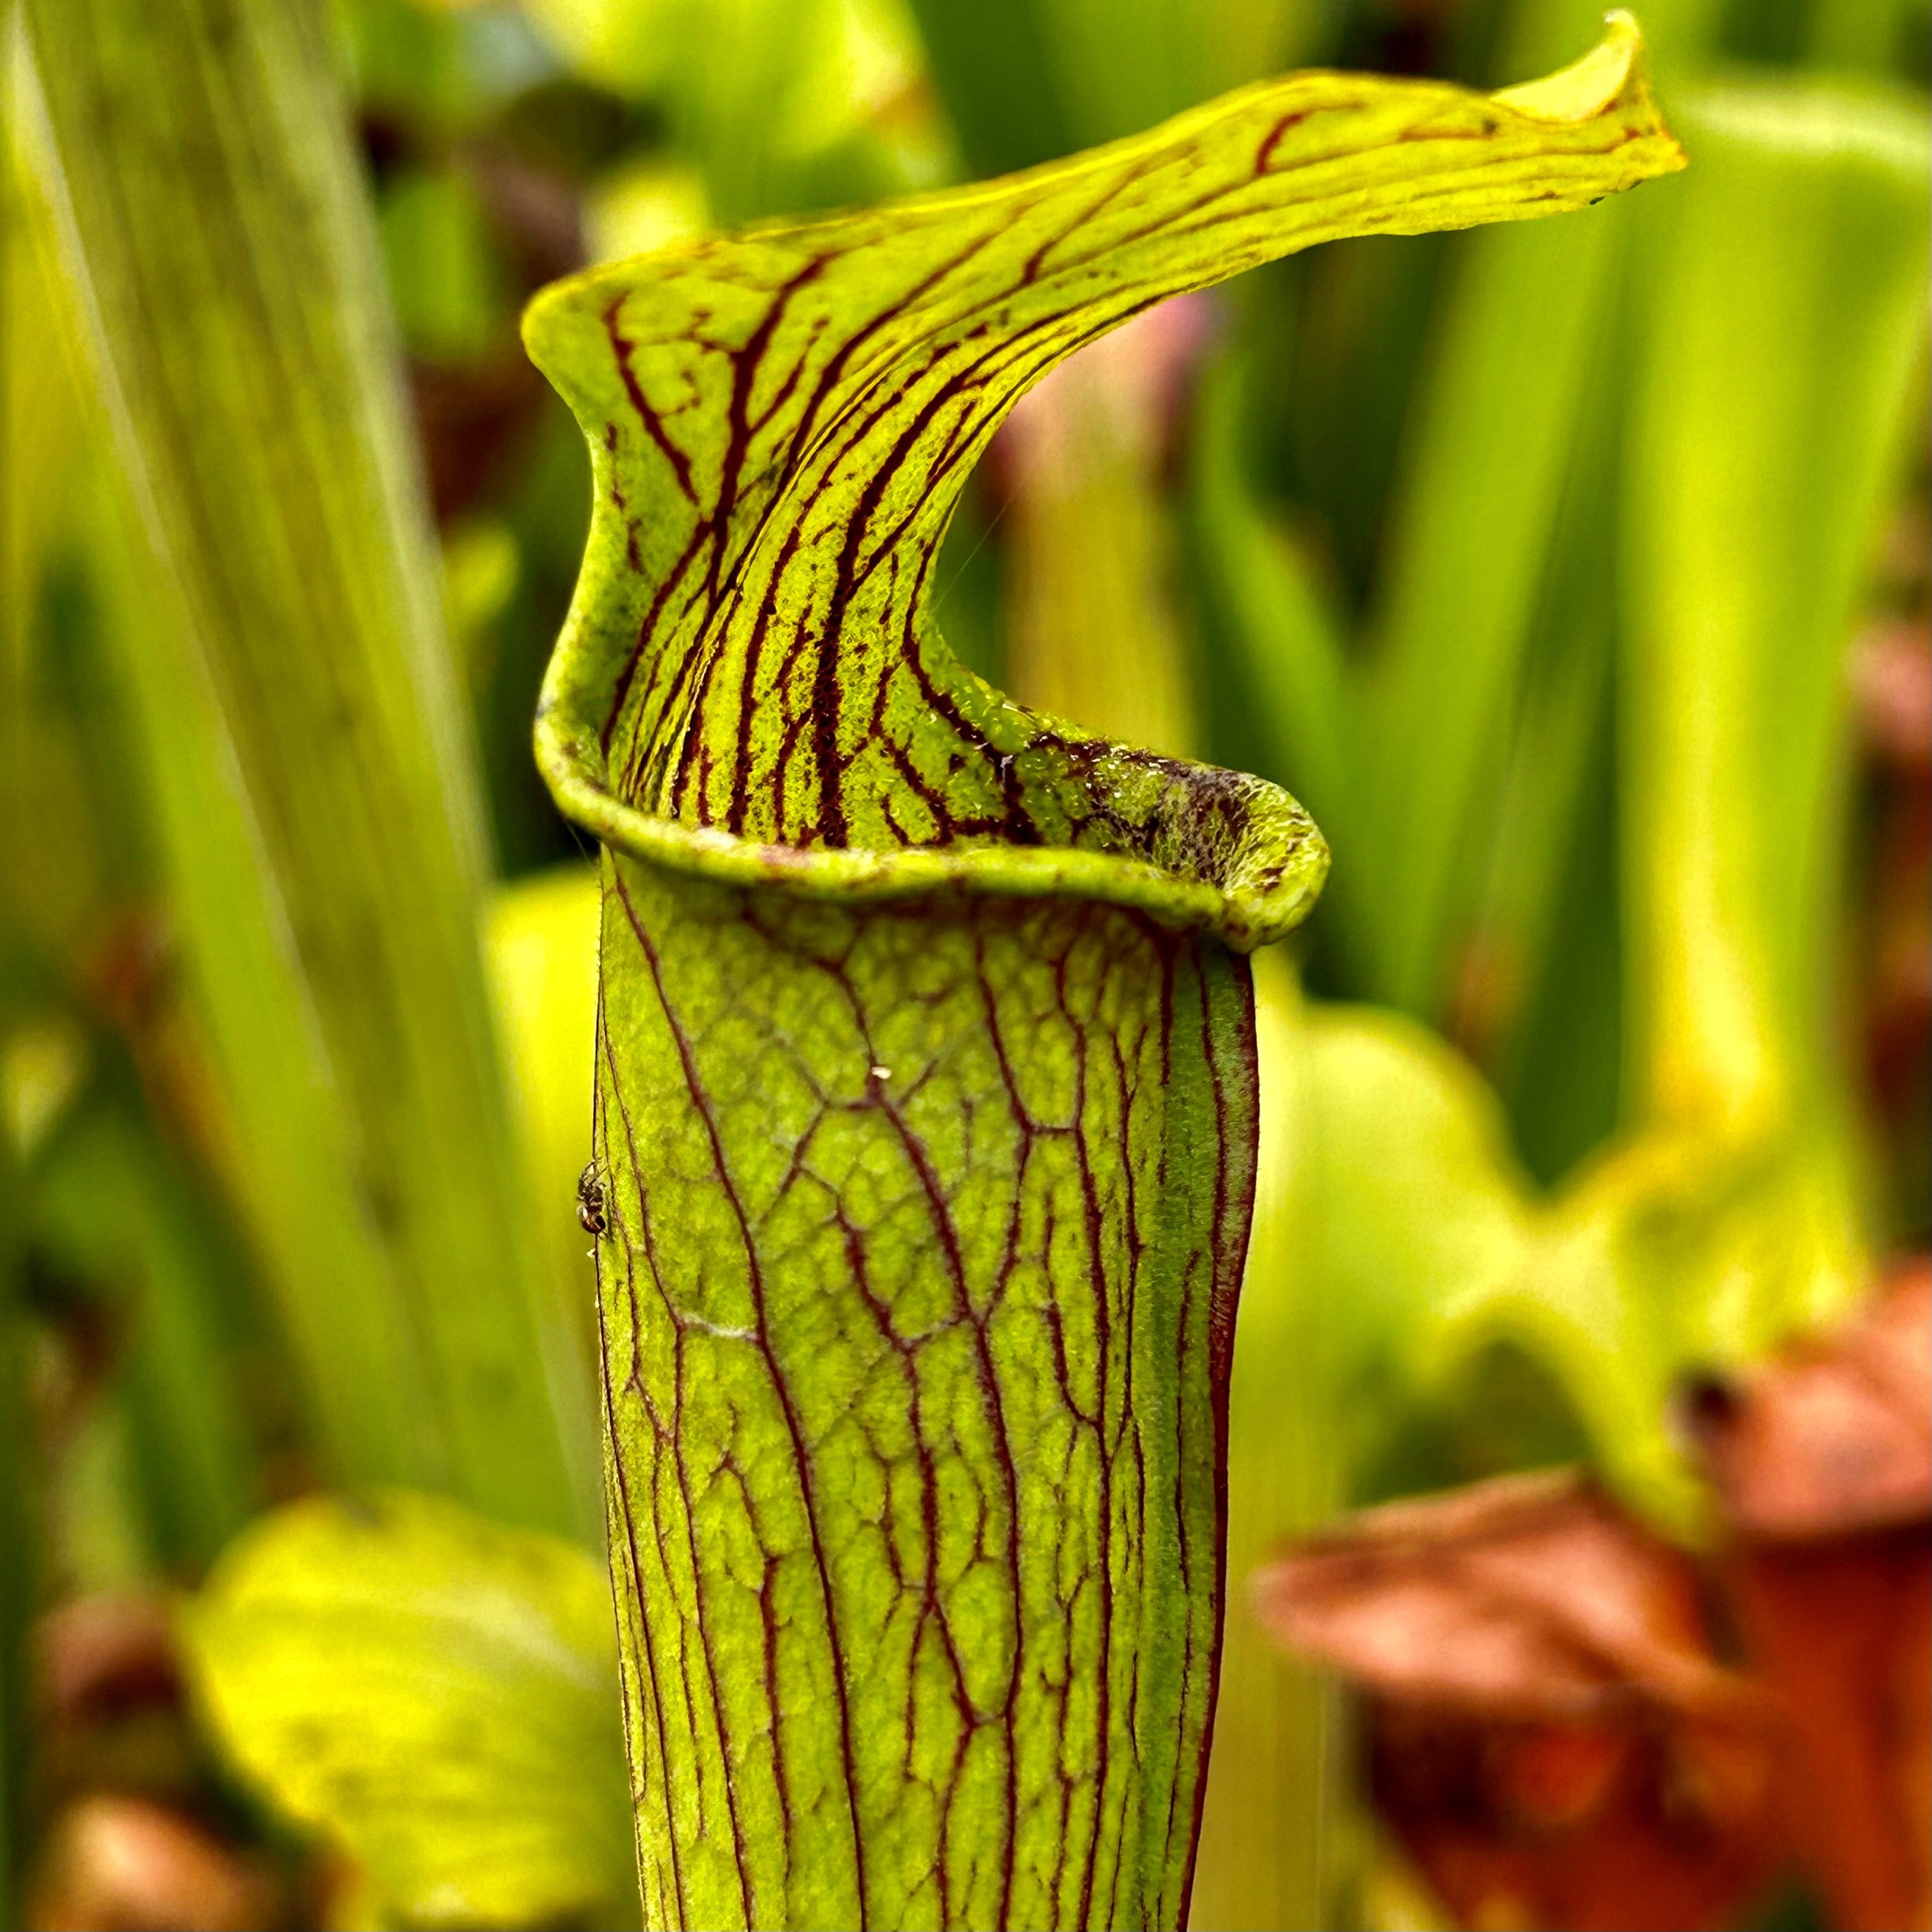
column 1194, row 847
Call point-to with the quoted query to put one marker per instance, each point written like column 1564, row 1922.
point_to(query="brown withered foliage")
column 109, row 1697
column 1549, row 1734
column 1835, row 1437
column 136, row 1838
column 1822, row 1463
column 117, row 1863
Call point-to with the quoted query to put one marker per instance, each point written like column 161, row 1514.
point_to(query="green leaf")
column 1024, row 81
column 347, row 1328
column 1785, row 333
column 113, row 1209
column 1537, row 994
column 771, row 98
column 1389, row 1191
column 926, row 1083
column 51, row 865
column 318, row 805
column 989, row 65
column 1473, row 528
column 1683, row 1250
column 439, row 266
column 1091, row 621
column 435, row 1692
column 1524, row 341
column 37, row 391
column 1404, row 1193
column 1119, row 65
column 1877, row 37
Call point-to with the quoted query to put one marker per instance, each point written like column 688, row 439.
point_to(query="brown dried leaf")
column 1823, row 1464
column 1892, row 683
column 122, row 1865
column 1550, row 1736
column 1836, row 1436
column 1528, row 1596
column 103, row 1655
column 1623, row 1825
column 108, row 1701
column 1842, row 1631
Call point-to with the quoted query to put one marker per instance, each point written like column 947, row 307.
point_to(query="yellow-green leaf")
column 436, row 1693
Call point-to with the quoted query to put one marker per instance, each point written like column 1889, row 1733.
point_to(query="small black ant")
column 590, row 1210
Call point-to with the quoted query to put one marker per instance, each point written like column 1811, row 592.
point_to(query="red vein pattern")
column 782, row 422
column 926, row 1080
column 917, row 1302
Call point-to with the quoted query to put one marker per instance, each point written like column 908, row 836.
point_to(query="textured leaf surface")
column 926, row 1086
column 435, row 1691
column 917, row 1312
column 782, row 422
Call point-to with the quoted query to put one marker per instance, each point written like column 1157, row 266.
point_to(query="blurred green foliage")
column 320, row 823
column 1530, row 560
column 484, row 1784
